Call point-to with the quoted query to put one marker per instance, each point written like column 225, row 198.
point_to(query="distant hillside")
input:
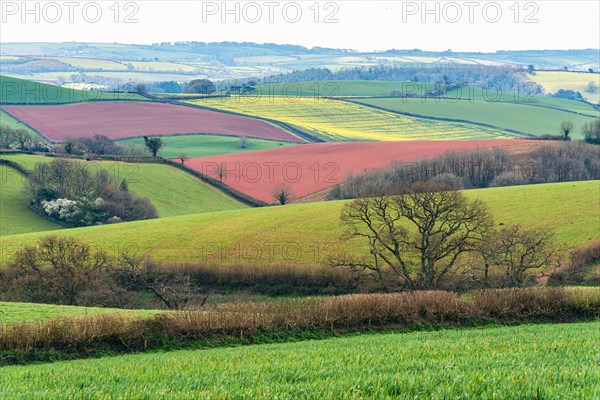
column 16, row 91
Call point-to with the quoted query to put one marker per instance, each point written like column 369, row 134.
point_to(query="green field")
column 515, row 116
column 342, row 121
column 552, row 81
column 309, row 233
column 527, row 362
column 208, row 145
column 492, row 96
column 15, row 217
column 18, row 312
column 16, row 90
column 172, row 191
column 10, row 121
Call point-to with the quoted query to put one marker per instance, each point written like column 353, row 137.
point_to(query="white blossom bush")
column 62, row 208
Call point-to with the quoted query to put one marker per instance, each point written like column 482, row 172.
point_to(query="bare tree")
column 169, row 287
column 23, row 138
column 183, row 158
column 7, row 137
column 282, row 193
column 221, row 171
column 565, row 128
column 591, row 131
column 418, row 236
column 515, row 251
column 57, row 269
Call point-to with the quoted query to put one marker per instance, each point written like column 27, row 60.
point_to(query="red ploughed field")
column 310, row 168
column 119, row 120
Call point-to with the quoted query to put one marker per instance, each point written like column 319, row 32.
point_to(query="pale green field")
column 301, row 234
column 552, row 81
column 208, row 145
column 20, row 312
column 341, row 121
column 522, row 362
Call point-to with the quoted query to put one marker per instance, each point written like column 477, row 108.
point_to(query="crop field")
column 313, row 167
column 208, row 145
column 342, row 121
column 305, row 234
column 11, row 313
column 533, row 361
column 15, row 217
column 514, row 116
column 14, row 90
column 552, row 81
column 172, row 191
column 134, row 119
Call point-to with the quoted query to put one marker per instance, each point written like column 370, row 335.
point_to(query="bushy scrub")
column 75, row 195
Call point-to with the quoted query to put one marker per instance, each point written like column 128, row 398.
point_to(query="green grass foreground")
column 531, row 361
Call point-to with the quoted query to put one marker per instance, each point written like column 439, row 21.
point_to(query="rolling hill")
column 310, row 233
column 20, row 91
column 172, row 191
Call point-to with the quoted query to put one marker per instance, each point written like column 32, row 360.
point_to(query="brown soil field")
column 310, row 168
column 119, row 120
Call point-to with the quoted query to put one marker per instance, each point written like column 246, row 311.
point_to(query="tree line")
column 554, row 162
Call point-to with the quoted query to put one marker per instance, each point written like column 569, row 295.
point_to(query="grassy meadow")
column 342, row 121
column 208, row 145
column 16, row 90
column 530, row 361
column 172, row 191
column 301, row 234
column 15, row 217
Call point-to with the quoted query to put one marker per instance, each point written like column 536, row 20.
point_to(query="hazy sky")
column 361, row 25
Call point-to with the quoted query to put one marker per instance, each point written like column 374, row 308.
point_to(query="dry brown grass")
column 119, row 332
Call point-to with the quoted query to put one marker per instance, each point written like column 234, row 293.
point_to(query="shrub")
column 68, row 191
